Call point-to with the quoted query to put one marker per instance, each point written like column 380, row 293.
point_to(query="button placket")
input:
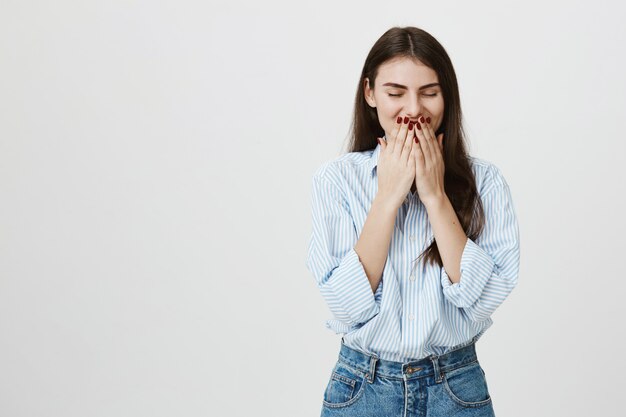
column 413, row 269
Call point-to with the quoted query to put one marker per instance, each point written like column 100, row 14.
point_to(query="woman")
column 409, row 322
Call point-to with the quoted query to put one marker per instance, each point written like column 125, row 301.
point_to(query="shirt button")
column 411, row 317
column 412, row 237
column 412, row 277
column 406, row 200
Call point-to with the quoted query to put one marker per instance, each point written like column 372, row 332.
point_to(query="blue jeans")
column 452, row 384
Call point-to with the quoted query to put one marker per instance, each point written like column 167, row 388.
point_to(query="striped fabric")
column 416, row 310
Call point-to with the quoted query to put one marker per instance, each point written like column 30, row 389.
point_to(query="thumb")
column 382, row 143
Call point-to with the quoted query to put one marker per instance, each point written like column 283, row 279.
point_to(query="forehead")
column 406, row 71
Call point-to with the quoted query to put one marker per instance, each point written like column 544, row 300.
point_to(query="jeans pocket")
column 467, row 385
column 345, row 386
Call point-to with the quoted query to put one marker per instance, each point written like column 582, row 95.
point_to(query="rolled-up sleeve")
column 489, row 265
column 331, row 257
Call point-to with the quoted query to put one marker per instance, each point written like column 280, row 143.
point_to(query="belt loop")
column 438, row 374
column 371, row 373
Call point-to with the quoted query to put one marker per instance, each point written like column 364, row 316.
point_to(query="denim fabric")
column 452, row 384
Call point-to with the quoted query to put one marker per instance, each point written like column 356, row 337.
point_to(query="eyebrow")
column 406, row 88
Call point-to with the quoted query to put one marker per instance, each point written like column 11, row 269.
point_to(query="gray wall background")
column 155, row 164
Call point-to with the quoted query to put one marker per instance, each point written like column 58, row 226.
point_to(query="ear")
column 369, row 94
column 440, row 140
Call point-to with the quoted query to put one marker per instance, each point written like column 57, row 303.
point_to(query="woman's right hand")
column 396, row 164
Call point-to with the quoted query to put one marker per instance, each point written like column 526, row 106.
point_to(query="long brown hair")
column 459, row 181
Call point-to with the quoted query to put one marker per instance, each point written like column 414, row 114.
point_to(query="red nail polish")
column 410, row 125
column 422, row 119
column 399, row 119
column 416, row 140
column 418, row 126
column 428, row 120
column 406, row 119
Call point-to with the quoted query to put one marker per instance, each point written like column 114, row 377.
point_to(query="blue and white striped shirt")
column 416, row 310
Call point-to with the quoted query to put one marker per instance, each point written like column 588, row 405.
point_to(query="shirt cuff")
column 352, row 289
column 476, row 269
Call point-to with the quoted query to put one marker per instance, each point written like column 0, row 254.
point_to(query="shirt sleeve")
column 489, row 265
column 332, row 260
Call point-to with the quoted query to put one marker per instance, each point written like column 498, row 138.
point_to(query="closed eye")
column 398, row 95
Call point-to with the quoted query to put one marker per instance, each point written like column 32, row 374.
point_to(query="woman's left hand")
column 429, row 166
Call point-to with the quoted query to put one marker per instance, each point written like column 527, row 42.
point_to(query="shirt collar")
column 374, row 157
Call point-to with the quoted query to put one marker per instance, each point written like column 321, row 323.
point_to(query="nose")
column 414, row 108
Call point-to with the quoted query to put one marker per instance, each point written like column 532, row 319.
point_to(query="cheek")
column 438, row 112
column 387, row 114
column 387, row 108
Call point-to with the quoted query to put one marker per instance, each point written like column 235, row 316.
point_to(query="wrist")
column 436, row 201
column 385, row 203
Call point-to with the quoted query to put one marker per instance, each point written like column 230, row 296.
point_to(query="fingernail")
column 410, row 125
column 416, row 141
column 428, row 120
column 406, row 119
column 422, row 119
column 399, row 119
column 418, row 126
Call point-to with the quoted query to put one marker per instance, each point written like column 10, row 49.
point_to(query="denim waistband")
column 431, row 365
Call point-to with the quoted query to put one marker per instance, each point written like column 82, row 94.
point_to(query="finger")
column 408, row 142
column 423, row 143
column 427, row 131
column 400, row 137
column 417, row 152
column 437, row 147
column 394, row 132
column 413, row 151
